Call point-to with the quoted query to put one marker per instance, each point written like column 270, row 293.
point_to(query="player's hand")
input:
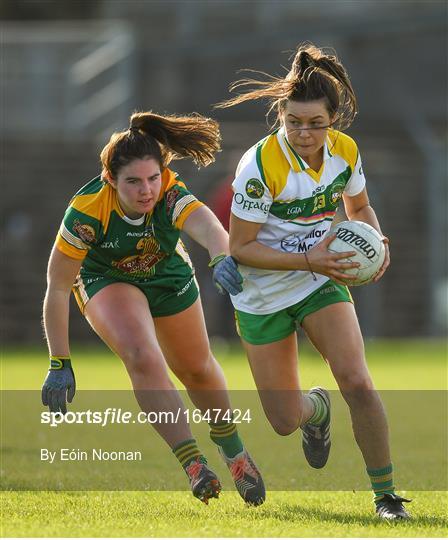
column 386, row 262
column 226, row 276
column 330, row 264
column 59, row 385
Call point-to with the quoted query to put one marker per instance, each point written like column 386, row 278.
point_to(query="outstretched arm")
column 205, row 228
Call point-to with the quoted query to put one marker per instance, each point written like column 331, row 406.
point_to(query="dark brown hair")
column 164, row 138
column 314, row 74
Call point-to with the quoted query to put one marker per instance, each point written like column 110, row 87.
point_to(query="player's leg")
column 334, row 331
column 184, row 341
column 120, row 315
column 271, row 345
column 270, row 342
column 185, row 345
column 274, row 369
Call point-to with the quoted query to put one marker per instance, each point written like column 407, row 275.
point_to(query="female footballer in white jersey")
column 286, row 193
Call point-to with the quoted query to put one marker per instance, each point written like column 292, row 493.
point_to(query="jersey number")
column 319, row 202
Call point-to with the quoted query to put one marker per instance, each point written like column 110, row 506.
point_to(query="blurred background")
column 73, row 71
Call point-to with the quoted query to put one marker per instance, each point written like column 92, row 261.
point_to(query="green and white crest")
column 336, row 193
column 254, row 188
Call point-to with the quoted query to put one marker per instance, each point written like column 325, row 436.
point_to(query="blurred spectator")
column 220, row 201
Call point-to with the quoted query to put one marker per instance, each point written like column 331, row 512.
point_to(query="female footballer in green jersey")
column 286, row 193
column 118, row 249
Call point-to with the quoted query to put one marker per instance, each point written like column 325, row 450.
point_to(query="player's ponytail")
column 303, row 60
column 164, row 138
column 195, row 137
column 314, row 74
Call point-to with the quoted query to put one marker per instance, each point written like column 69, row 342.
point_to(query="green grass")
column 395, row 365
column 149, row 514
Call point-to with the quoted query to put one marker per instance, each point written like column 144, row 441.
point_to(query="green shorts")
column 262, row 329
column 163, row 301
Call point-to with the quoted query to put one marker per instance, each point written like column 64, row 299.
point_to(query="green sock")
column 382, row 481
column 320, row 410
column 226, row 436
column 188, row 451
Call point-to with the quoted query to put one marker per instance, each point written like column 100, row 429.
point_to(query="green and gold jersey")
column 112, row 245
column 274, row 186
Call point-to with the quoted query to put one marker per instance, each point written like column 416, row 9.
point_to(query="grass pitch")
column 410, row 365
column 177, row 514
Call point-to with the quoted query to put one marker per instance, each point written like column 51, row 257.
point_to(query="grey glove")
column 225, row 275
column 59, row 385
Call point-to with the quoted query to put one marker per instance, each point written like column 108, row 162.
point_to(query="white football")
column 368, row 245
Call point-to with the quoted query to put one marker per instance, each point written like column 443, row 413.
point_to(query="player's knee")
column 195, row 374
column 198, row 371
column 355, row 383
column 283, row 425
column 142, row 362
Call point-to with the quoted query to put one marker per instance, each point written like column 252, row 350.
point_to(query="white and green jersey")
column 296, row 205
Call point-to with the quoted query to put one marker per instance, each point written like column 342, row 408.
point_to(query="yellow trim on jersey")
column 344, row 146
column 194, row 205
column 94, row 206
column 296, row 166
column 169, row 179
column 315, row 175
column 299, row 164
column 180, row 206
column 88, row 204
column 80, row 294
column 275, row 165
column 181, row 250
column 67, row 249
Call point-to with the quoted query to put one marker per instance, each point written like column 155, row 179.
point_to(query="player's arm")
column 59, row 384
column 247, row 218
column 245, row 248
column 61, row 274
column 358, row 208
column 205, row 228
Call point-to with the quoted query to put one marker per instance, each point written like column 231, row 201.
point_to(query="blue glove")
column 59, row 385
column 225, row 275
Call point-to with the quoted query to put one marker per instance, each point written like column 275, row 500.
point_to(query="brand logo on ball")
column 368, row 246
column 254, row 188
column 336, row 194
column 354, row 239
